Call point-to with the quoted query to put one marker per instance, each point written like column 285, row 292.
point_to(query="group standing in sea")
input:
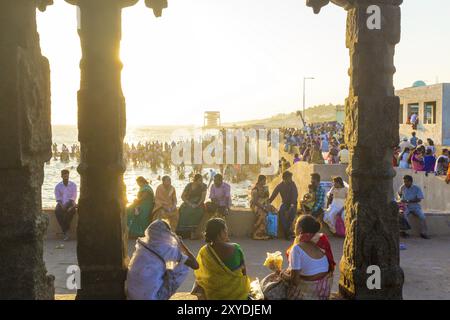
column 158, row 155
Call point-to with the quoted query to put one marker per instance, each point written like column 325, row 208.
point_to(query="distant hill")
column 319, row 113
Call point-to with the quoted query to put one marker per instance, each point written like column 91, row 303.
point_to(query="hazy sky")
column 245, row 58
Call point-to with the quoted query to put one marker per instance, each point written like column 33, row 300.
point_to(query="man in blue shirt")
column 413, row 139
column 412, row 195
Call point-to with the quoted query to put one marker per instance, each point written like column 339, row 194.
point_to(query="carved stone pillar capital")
column 120, row 3
column 317, row 5
column 157, row 6
column 42, row 4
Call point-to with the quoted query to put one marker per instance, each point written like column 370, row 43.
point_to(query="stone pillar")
column 25, row 144
column 102, row 229
column 371, row 131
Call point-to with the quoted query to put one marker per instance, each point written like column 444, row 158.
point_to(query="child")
column 308, row 200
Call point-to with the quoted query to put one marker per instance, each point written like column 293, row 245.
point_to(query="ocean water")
column 69, row 135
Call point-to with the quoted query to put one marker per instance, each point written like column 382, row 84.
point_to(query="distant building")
column 211, row 119
column 432, row 105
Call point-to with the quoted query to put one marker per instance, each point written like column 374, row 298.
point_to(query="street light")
column 304, row 97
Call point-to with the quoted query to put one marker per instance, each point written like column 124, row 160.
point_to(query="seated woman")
column 166, row 203
column 441, row 167
column 311, row 263
column 159, row 264
column 417, row 159
column 259, row 205
column 221, row 274
column 192, row 209
column 403, row 159
column 337, row 196
column 138, row 213
column 316, row 155
column 332, row 157
column 309, row 199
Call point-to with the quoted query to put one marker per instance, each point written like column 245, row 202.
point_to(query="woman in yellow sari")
column 222, row 274
column 166, row 203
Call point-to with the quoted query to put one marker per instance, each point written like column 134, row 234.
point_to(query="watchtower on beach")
column 211, row 119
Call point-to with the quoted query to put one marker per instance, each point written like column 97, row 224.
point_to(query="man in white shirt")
column 405, row 144
column 343, row 154
column 414, row 120
column 66, row 196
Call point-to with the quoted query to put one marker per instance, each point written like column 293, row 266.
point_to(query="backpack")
column 272, row 224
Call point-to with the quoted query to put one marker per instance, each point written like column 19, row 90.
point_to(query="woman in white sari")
column 337, row 195
column 159, row 264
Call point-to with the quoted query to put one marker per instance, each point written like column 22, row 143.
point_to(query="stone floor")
column 426, row 263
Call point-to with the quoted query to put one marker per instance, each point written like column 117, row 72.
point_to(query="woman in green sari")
column 138, row 213
column 192, row 209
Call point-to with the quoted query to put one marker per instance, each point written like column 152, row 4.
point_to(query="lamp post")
column 304, row 96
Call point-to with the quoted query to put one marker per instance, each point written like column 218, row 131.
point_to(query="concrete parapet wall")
column 240, row 220
column 240, row 223
column 436, row 191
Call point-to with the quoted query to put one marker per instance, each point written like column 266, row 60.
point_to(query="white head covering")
column 159, row 238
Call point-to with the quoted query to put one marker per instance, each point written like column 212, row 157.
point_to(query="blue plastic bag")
column 272, row 224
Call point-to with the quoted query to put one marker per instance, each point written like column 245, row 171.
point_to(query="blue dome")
column 419, row 83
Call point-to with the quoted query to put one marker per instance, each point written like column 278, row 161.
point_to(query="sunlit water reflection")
column 68, row 136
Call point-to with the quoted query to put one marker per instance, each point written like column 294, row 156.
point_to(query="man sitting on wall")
column 220, row 194
column 411, row 195
column 66, row 195
column 317, row 209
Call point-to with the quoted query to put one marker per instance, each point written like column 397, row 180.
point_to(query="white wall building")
column 432, row 104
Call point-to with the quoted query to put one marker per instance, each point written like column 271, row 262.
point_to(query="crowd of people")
column 161, row 260
column 66, row 154
column 414, row 154
column 157, row 155
column 315, row 143
column 323, row 144
column 153, row 218
column 161, row 263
